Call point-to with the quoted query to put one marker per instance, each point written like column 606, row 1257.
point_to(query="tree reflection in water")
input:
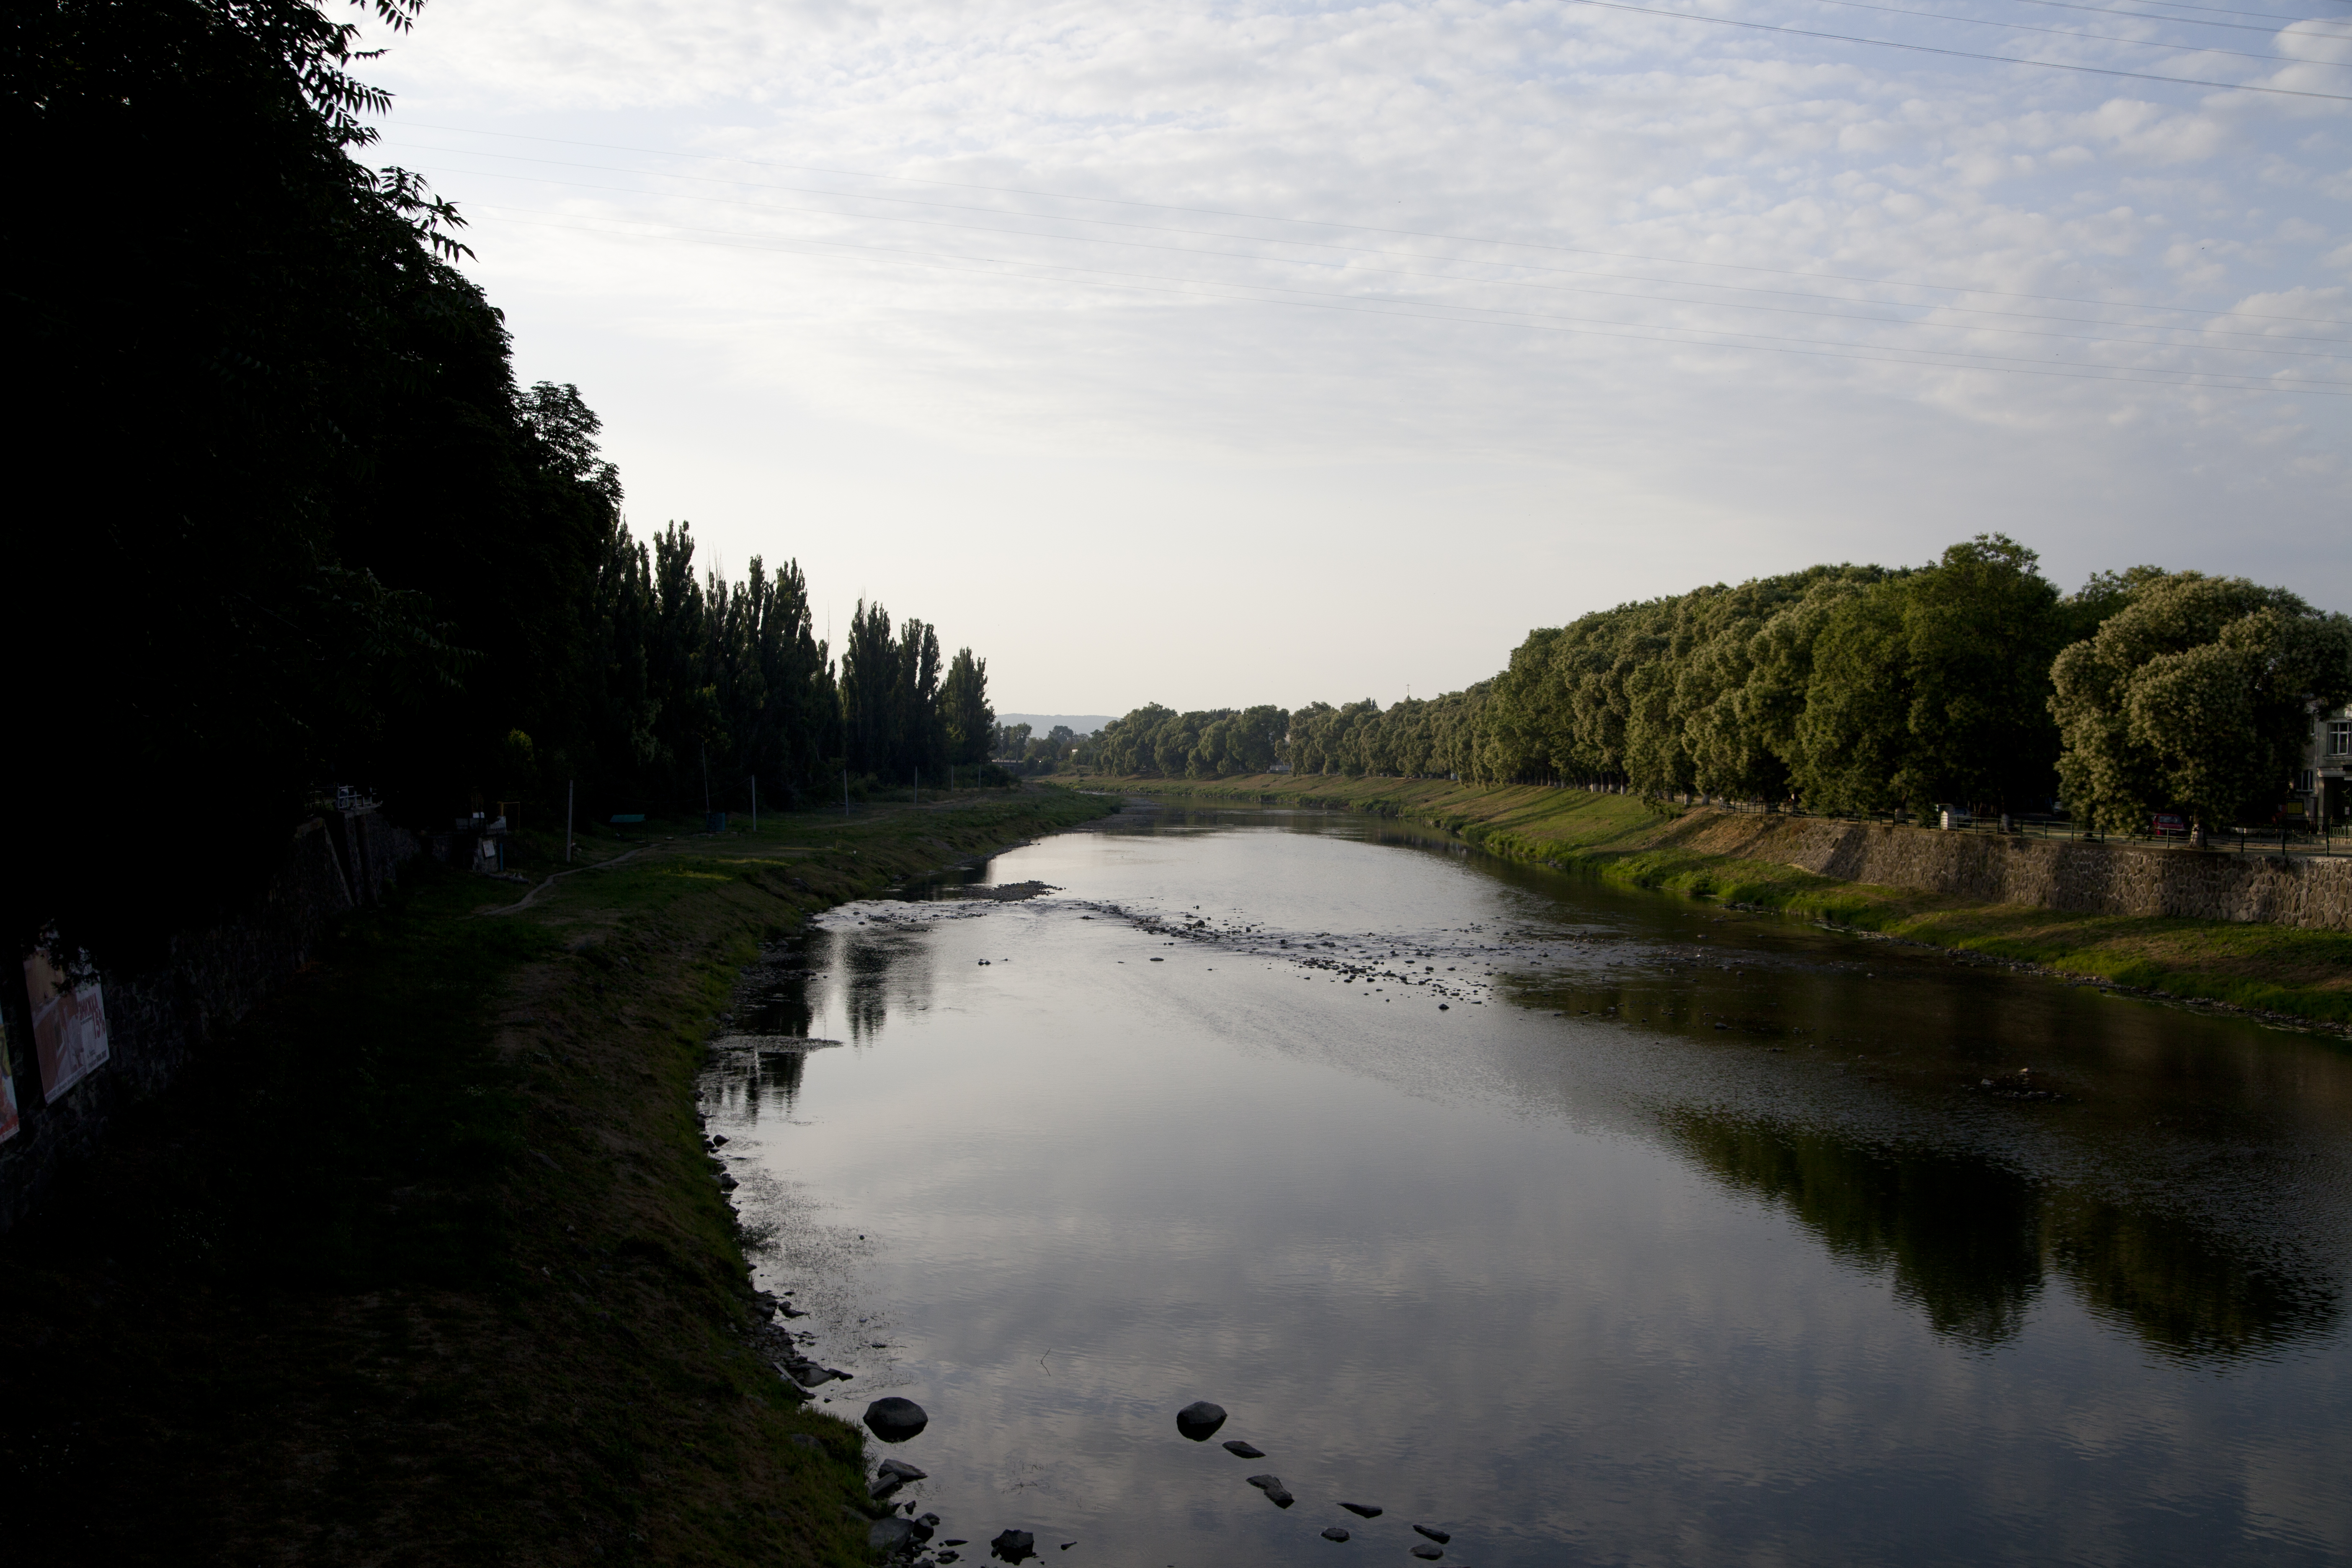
column 1971, row 1244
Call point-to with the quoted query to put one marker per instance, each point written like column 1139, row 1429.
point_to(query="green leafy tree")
column 2195, row 696
column 1934, row 686
column 963, row 704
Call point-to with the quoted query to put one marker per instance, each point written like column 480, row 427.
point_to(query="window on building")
column 2302, row 781
column 2339, row 737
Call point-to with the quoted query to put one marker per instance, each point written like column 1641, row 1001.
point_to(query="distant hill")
column 1039, row 723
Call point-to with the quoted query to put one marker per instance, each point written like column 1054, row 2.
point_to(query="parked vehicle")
column 2170, row 825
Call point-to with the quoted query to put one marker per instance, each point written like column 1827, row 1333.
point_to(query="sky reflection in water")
column 1753, row 1268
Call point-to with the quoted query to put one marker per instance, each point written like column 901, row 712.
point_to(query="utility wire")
column 1322, row 245
column 1320, row 223
column 2184, row 6
column 2096, row 37
column 1535, row 322
column 2201, row 22
column 2268, row 346
column 1959, row 54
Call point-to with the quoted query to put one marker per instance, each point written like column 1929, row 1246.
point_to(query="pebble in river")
column 1200, row 1420
column 1014, row 1545
column 1242, row 1450
column 1429, row 1553
column 1335, row 1533
column 1439, row 1536
column 1361, row 1510
column 1275, row 1490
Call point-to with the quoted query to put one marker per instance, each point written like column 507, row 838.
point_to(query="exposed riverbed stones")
column 1200, row 1420
column 894, row 1420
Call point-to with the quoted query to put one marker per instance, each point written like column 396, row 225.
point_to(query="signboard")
column 68, row 1026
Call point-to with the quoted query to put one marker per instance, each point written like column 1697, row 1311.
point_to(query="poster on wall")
column 7, row 1086
column 68, row 1026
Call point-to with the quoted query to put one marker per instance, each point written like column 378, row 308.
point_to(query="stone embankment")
column 2080, row 877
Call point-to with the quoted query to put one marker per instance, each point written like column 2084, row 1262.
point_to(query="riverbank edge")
column 483, row 1398
column 2288, row 977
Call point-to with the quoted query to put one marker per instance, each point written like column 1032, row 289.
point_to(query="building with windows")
column 2326, row 764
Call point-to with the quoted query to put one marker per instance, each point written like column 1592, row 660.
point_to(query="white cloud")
column 1728, row 301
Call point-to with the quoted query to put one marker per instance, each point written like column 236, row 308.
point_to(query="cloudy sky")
column 1243, row 352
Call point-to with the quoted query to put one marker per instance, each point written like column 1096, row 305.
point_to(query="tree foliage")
column 290, row 520
column 1852, row 689
column 2196, row 695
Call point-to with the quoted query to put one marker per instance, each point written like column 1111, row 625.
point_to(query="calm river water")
column 1672, row 1236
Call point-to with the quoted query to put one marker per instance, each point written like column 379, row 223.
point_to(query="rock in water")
column 1429, row 1553
column 1242, row 1450
column 1335, row 1533
column 893, row 1420
column 892, row 1535
column 1439, row 1536
column 1014, row 1545
column 1200, row 1420
column 903, row 1471
column 1276, row 1493
column 1361, row 1510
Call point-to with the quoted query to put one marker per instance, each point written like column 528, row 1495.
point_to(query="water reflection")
column 1701, row 1240
column 1969, row 1243
column 2182, row 1289
column 1962, row 1236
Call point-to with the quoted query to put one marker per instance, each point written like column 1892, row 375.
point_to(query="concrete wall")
column 2083, row 876
column 158, row 1020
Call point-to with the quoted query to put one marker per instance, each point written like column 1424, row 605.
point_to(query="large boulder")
column 893, row 1420
column 1014, row 1546
column 891, row 1535
column 1200, row 1420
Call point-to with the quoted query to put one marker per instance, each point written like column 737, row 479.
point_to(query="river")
column 1579, row 1225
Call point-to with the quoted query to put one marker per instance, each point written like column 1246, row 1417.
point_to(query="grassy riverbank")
column 2301, row 975
column 425, row 1262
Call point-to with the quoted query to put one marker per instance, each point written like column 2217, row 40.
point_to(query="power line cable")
column 2201, row 22
column 2216, row 10
column 1765, row 343
column 1323, row 223
column 2269, row 346
column 1961, row 54
column 2096, row 37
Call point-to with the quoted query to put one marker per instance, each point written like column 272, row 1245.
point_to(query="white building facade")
column 2326, row 764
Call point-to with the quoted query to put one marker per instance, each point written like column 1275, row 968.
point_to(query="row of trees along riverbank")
column 291, row 521
column 1971, row 680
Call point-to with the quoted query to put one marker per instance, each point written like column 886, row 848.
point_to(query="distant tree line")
column 288, row 520
column 1972, row 681
column 1017, row 750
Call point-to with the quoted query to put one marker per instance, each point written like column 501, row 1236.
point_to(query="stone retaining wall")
column 158, row 1020
column 2083, row 876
